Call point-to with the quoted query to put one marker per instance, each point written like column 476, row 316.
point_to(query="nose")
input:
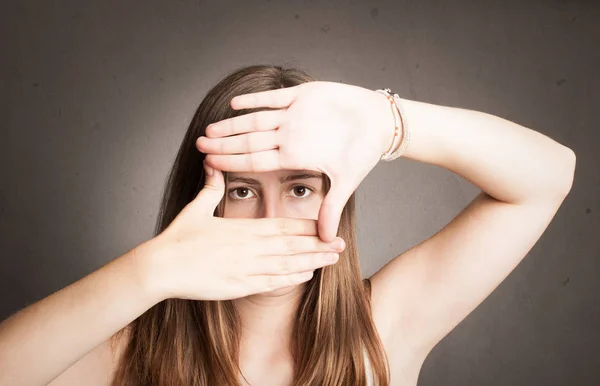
column 272, row 208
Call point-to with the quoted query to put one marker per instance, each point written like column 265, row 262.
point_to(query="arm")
column 422, row 294
column 59, row 330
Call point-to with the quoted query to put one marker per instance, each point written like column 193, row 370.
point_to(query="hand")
column 340, row 130
column 203, row 257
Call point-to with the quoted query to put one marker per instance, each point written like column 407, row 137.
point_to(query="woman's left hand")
column 337, row 129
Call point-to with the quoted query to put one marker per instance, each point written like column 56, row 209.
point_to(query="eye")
column 301, row 191
column 242, row 193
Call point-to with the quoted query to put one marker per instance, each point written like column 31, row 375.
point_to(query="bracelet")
column 396, row 149
column 387, row 154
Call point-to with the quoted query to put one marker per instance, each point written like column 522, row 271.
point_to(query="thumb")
column 212, row 192
column 331, row 211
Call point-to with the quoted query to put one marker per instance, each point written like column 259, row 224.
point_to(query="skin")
column 267, row 317
column 417, row 298
column 424, row 292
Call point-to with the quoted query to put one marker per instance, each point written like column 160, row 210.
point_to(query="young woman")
column 246, row 283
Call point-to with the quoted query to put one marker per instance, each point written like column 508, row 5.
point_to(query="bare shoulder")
column 97, row 367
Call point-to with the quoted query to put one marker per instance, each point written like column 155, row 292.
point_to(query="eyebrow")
column 284, row 179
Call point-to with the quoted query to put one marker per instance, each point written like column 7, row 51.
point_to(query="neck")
column 268, row 318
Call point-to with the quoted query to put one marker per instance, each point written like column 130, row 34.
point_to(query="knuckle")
column 252, row 162
column 256, row 120
column 270, row 283
column 284, row 226
column 286, row 265
column 290, row 244
column 249, row 143
column 231, row 125
column 222, row 148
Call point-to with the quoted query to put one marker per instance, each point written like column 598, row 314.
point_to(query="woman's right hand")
column 202, row 257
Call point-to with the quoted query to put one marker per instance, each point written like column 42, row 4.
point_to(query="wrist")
column 147, row 263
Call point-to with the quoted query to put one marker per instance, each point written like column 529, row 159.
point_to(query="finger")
column 285, row 265
column 279, row 98
column 211, row 194
column 331, row 211
column 251, row 122
column 293, row 245
column 262, row 161
column 266, row 283
column 279, row 226
column 239, row 144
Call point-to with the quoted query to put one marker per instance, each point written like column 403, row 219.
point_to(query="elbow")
column 568, row 173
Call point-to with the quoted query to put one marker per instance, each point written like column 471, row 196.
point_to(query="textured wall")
column 95, row 99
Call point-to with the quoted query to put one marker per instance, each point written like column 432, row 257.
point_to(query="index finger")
column 251, row 122
column 278, row 98
column 281, row 226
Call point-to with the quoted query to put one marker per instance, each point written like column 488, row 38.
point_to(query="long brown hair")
column 181, row 342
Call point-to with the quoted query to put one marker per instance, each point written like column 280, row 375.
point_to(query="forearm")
column 507, row 161
column 41, row 341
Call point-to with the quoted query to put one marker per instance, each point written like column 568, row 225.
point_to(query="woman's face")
column 275, row 194
column 279, row 193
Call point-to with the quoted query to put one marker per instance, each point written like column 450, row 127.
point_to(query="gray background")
column 95, row 98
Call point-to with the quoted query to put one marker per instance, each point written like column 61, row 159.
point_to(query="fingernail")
column 338, row 244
